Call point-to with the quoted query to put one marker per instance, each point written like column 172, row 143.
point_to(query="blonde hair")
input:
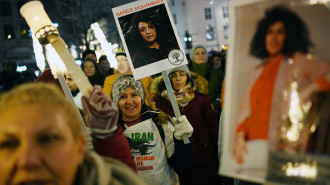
column 45, row 94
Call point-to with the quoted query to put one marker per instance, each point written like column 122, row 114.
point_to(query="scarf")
column 183, row 96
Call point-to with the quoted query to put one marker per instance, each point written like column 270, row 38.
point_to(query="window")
column 207, row 12
column 225, row 11
column 172, row 2
column 8, row 31
column 226, row 30
column 209, row 33
column 174, row 18
column 5, row 9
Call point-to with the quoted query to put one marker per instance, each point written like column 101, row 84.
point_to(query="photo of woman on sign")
column 145, row 38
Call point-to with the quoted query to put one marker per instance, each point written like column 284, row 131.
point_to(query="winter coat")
column 215, row 86
column 201, row 115
column 96, row 170
column 121, row 151
column 214, row 78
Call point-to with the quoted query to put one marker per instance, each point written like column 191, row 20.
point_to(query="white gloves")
column 182, row 126
column 100, row 113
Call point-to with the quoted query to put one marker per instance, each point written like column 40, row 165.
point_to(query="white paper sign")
column 149, row 36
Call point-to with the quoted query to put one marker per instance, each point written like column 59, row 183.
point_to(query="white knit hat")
column 183, row 68
column 122, row 83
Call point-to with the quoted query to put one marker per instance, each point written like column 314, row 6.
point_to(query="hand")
column 307, row 92
column 182, row 126
column 101, row 114
column 239, row 148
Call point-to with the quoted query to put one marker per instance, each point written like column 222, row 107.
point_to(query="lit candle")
column 35, row 15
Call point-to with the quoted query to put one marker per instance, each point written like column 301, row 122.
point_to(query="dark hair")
column 98, row 71
column 142, row 17
column 297, row 34
column 87, row 52
column 103, row 57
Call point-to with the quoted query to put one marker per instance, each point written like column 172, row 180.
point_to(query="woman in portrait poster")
column 282, row 43
column 148, row 41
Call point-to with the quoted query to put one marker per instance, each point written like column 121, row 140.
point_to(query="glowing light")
column 318, row 1
column 8, row 36
column 300, row 169
column 55, row 62
column 296, row 114
column 79, row 62
column 106, row 46
column 21, row 68
column 42, row 31
column 55, row 25
column 36, row 18
column 38, row 52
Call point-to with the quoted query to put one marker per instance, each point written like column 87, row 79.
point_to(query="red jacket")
column 115, row 146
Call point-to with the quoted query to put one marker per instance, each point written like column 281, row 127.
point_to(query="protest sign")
column 270, row 127
column 149, row 37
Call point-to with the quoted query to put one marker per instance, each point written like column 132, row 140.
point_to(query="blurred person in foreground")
column 45, row 145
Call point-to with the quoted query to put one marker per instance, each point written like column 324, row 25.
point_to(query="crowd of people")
column 130, row 121
column 136, row 137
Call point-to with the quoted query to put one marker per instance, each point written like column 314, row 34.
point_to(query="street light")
column 188, row 40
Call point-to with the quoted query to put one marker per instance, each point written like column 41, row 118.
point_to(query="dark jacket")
column 145, row 56
column 201, row 115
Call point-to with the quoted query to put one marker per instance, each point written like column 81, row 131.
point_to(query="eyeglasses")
column 175, row 75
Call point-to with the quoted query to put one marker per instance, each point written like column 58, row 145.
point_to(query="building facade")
column 206, row 21
column 15, row 42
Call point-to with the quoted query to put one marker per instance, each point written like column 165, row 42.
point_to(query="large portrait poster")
column 149, row 36
column 276, row 115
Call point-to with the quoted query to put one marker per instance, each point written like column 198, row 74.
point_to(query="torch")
column 46, row 33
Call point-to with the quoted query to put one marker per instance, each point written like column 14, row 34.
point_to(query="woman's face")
column 178, row 80
column 200, row 56
column 123, row 65
column 275, row 38
column 38, row 146
column 216, row 62
column 130, row 104
column 89, row 68
column 147, row 31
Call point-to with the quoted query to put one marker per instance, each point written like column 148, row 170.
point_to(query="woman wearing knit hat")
column 191, row 95
column 157, row 154
column 200, row 65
